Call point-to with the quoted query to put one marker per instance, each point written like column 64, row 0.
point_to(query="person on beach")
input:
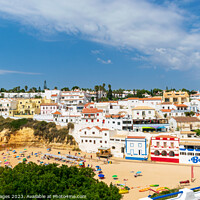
column 91, row 156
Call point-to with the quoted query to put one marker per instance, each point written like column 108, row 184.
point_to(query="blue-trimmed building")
column 136, row 148
column 189, row 151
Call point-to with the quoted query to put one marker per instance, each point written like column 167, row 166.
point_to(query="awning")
column 160, row 127
column 148, row 127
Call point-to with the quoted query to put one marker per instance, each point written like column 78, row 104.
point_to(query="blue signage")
column 195, row 159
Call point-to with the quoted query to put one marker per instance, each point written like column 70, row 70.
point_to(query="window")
column 90, row 140
column 93, row 133
column 165, row 144
column 118, row 123
column 97, row 120
column 105, row 142
column 92, row 120
column 105, row 134
column 85, row 140
column 183, row 153
column 197, row 154
column 171, row 154
column 113, row 147
column 172, row 145
column 94, row 141
column 139, row 144
column 100, row 141
column 157, row 144
column 81, row 141
column 156, row 153
column 86, row 120
column 85, row 132
column 164, row 153
column 113, row 122
column 111, row 139
column 190, row 154
column 149, row 112
column 131, row 144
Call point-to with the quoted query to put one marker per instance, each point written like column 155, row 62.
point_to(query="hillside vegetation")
column 43, row 130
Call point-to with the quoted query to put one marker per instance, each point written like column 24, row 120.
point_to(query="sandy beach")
column 166, row 175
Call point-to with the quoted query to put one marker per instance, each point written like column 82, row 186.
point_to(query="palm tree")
column 26, row 88
column 96, row 87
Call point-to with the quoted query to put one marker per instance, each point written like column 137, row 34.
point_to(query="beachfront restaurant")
column 146, row 126
column 136, row 148
column 189, row 150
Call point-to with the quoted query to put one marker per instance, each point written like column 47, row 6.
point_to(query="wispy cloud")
column 167, row 34
column 96, row 52
column 17, row 72
column 104, row 61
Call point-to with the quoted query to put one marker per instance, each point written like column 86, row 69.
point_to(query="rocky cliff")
column 26, row 137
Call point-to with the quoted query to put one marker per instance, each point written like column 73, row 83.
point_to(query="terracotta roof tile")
column 186, row 119
column 91, row 110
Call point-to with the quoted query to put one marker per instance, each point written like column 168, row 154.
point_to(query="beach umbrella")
column 100, row 175
column 20, row 152
column 80, row 163
column 24, row 159
column 17, row 156
column 122, row 184
column 97, row 166
column 114, row 176
column 13, row 151
column 6, row 163
column 25, row 149
column 35, row 153
column 117, row 182
column 139, row 172
column 98, row 169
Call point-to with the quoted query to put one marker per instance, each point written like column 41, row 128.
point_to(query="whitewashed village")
column 162, row 128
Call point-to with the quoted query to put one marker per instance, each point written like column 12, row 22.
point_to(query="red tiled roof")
column 57, row 113
column 186, row 119
column 54, row 95
column 91, row 110
column 48, row 104
column 87, row 104
column 136, row 137
column 152, row 98
column 97, row 127
column 165, row 136
column 166, row 110
column 181, row 105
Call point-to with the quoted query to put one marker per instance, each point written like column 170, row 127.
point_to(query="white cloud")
column 104, row 61
column 157, row 31
column 96, row 52
column 16, row 72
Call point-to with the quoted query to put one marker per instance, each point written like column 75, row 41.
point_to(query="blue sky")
column 128, row 44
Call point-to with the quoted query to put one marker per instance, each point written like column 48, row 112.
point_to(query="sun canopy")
column 160, row 127
column 147, row 127
column 100, row 175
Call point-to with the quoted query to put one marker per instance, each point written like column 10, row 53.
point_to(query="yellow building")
column 28, row 107
column 176, row 97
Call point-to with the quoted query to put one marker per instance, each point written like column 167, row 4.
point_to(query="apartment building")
column 176, row 97
column 6, row 105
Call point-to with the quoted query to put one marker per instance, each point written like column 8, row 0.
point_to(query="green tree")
column 75, row 88
column 33, row 179
column 65, row 89
column 109, row 94
column 26, row 88
column 96, row 87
